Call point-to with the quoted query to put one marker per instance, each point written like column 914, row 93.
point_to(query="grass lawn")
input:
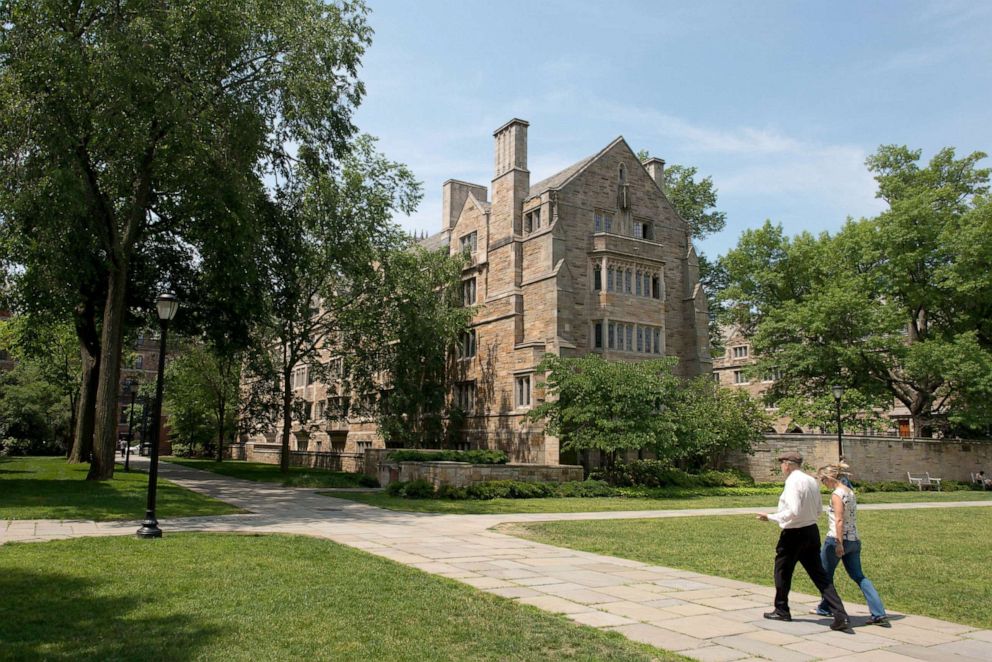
column 930, row 562
column 269, row 473
column 601, row 504
column 49, row 488
column 231, row 597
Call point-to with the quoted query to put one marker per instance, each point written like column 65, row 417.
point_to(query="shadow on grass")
column 53, row 616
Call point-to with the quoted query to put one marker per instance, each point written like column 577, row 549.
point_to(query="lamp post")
column 838, row 391
column 130, row 434
column 167, row 305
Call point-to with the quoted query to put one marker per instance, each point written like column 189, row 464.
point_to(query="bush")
column 471, row 457
column 886, row 486
column 584, row 488
column 453, row 493
column 411, row 489
column 365, row 480
column 654, row 473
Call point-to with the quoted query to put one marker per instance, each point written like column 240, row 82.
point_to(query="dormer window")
column 469, row 242
column 532, row 220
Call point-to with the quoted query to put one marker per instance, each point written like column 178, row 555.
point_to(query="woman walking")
column 843, row 544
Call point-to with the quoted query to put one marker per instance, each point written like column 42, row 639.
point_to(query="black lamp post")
column 167, row 306
column 838, row 394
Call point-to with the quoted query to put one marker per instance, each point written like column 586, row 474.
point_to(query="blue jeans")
column 852, row 563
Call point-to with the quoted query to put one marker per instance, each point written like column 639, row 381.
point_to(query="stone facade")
column 872, row 458
column 593, row 259
column 461, row 474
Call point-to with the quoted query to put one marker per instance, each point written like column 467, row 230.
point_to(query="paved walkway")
column 707, row 618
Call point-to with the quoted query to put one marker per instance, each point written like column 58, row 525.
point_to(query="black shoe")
column 879, row 620
column 840, row 623
column 778, row 616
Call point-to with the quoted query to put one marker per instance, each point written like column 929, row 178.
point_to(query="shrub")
column 411, row 489
column 472, row 457
column 491, row 489
column 887, row 486
column 452, row 492
column 584, row 488
column 365, row 480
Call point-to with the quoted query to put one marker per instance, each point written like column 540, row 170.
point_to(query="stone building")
column 593, row 259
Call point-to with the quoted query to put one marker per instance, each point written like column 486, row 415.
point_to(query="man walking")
column 798, row 509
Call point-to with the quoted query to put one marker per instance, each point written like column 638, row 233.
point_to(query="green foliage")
column 202, row 398
column 896, row 306
column 411, row 489
column 34, row 415
column 654, row 473
column 609, row 405
column 472, row 457
column 613, row 406
column 408, row 329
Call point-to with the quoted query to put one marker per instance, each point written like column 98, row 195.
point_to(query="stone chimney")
column 454, row 193
column 511, row 181
column 656, row 168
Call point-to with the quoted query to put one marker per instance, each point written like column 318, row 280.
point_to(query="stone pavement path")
column 706, row 618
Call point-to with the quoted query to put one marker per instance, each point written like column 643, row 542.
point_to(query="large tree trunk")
column 89, row 352
column 220, row 431
column 287, row 421
column 105, row 426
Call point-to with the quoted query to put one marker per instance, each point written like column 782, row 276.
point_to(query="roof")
column 556, row 180
column 435, row 241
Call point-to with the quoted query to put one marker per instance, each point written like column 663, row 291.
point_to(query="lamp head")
column 838, row 391
column 167, row 305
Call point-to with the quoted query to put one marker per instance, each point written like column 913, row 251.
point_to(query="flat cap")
column 791, row 456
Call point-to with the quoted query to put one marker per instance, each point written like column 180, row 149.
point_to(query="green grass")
column 49, row 488
column 929, row 562
column 269, row 473
column 231, row 597
column 606, row 504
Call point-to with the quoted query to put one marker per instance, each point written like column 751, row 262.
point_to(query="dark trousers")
column 802, row 546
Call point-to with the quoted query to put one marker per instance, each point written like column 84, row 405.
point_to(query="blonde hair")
column 833, row 471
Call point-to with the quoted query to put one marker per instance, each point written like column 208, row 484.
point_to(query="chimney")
column 454, row 193
column 656, row 168
column 511, row 181
column 511, row 146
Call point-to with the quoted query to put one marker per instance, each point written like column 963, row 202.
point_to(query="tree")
column 895, row 306
column 695, row 201
column 711, row 421
column 202, row 398
column 153, row 123
column 330, row 228
column 414, row 322
column 34, row 416
column 610, row 406
column 49, row 347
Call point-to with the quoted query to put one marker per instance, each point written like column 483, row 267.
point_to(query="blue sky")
column 780, row 102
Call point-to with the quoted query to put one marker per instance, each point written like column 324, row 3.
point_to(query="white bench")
column 923, row 481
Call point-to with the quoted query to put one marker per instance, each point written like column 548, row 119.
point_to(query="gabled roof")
column 561, row 178
column 435, row 241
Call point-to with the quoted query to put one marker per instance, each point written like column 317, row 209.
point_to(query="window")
column 637, row 282
column 657, row 341
column 630, row 338
column 597, row 278
column 609, row 279
column 298, row 379
column 641, row 230
column 363, row 445
column 465, row 395
column 532, row 220
column 640, row 339
column 139, row 362
column 597, row 335
column 337, row 407
column 656, row 287
column 523, row 391
column 628, row 288
column 716, row 377
column 612, row 334
column 318, row 409
column 469, row 242
column 739, row 377
column 740, row 352
column 466, row 344
column 603, row 221
column 772, row 375
column 468, row 292
column 647, row 284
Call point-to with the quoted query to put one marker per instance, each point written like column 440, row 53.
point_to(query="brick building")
column 593, row 259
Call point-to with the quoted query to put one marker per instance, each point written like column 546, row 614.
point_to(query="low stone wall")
column 461, row 474
column 872, row 458
column 331, row 460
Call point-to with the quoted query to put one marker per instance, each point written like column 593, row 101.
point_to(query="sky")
column 779, row 102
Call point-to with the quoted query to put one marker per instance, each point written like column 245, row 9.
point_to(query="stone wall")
column 460, row 474
column 872, row 458
column 333, row 461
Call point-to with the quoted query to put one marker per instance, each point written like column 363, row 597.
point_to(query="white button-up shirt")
column 800, row 504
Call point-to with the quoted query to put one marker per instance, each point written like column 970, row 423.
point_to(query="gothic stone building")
column 593, row 259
